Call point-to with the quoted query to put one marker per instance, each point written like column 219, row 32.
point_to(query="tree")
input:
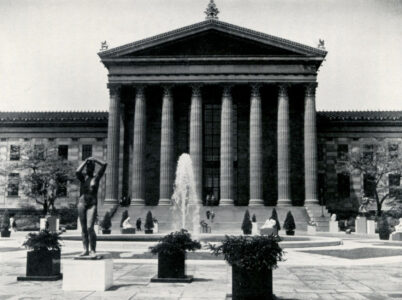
column 43, row 175
column 381, row 170
column 274, row 216
column 289, row 223
column 149, row 221
column 246, row 226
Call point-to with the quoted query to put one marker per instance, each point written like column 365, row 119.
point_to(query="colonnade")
column 226, row 146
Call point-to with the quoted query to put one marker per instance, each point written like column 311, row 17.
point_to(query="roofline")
column 212, row 23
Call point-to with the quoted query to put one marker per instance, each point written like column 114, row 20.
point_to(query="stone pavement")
column 302, row 276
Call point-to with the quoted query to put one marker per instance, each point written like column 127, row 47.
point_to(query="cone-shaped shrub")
column 246, row 226
column 149, row 221
column 106, row 222
column 5, row 222
column 289, row 224
column 254, row 218
column 275, row 217
column 124, row 216
column 383, row 228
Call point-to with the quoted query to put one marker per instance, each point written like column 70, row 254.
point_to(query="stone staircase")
column 320, row 216
column 228, row 219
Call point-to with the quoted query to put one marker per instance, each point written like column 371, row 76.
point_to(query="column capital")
column 196, row 89
column 255, row 89
column 226, row 90
column 310, row 89
column 114, row 89
column 140, row 88
column 167, row 90
column 283, row 89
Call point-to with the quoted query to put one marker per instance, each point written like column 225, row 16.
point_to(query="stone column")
column 283, row 148
column 256, row 198
column 112, row 158
column 226, row 167
column 310, row 146
column 167, row 148
column 138, row 188
column 196, row 139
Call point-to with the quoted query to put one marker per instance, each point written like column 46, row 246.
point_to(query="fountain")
column 186, row 206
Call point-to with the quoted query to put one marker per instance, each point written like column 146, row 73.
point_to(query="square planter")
column 5, row 233
column 128, row 230
column 251, row 284
column 42, row 265
column 148, row 231
column 106, row 231
column 172, row 265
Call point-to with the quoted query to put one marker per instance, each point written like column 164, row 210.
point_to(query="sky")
column 49, row 61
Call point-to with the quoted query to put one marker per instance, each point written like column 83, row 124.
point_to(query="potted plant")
column 43, row 259
column 106, row 223
column 252, row 259
column 149, row 223
column 289, row 224
column 171, row 250
column 246, row 226
column 5, row 225
column 383, row 228
column 274, row 216
column 254, row 228
column 124, row 216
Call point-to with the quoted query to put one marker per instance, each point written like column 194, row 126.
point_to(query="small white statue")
column 126, row 223
column 398, row 228
column 333, row 217
column 269, row 224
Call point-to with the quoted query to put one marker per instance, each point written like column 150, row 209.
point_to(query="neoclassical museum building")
column 240, row 102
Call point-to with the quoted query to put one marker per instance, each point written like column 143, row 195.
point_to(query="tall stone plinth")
column 361, row 225
column 333, row 226
column 86, row 274
column 371, row 225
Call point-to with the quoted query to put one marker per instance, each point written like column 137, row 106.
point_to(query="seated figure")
column 269, row 227
column 126, row 223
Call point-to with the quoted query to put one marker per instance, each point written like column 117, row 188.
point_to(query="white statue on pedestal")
column 126, row 223
column 333, row 217
column 398, row 228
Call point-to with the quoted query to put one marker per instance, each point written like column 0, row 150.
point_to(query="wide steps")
column 228, row 219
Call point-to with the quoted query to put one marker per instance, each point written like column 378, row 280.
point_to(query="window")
column 86, row 151
column 343, row 185
column 13, row 184
column 99, row 139
column 320, row 152
column 343, row 152
column 368, row 152
column 63, row 151
column 14, row 152
column 393, row 151
column 39, row 152
column 212, row 135
column 369, row 185
column 394, row 181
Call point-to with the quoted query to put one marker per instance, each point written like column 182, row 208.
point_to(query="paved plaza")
column 304, row 275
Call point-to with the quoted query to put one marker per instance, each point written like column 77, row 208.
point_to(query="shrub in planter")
column 171, row 250
column 383, row 228
column 253, row 218
column 43, row 259
column 289, row 224
column 124, row 216
column 246, row 226
column 252, row 259
column 5, row 224
column 275, row 217
column 149, row 223
column 106, row 223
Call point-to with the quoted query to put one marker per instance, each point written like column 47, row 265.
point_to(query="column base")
column 226, row 202
column 164, row 202
column 311, row 202
column 111, row 201
column 256, row 202
column 284, row 202
column 137, row 202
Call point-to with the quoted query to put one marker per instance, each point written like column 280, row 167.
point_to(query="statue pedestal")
column 333, row 226
column 371, row 227
column 254, row 229
column 87, row 274
column 268, row 231
column 52, row 222
column 396, row 236
column 361, row 225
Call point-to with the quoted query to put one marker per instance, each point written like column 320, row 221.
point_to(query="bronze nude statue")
column 87, row 204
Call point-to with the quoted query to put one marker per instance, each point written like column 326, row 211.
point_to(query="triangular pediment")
column 212, row 38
